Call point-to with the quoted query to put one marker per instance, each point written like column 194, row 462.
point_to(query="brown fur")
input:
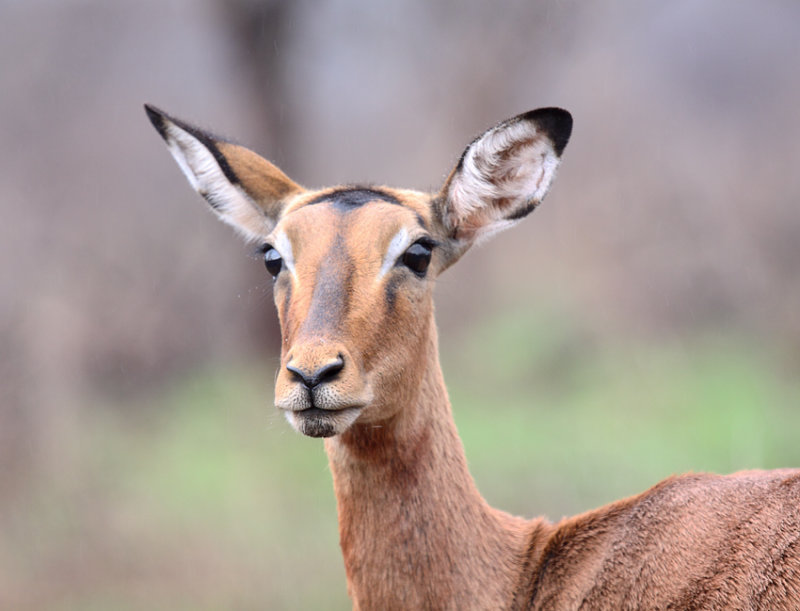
column 261, row 179
column 414, row 531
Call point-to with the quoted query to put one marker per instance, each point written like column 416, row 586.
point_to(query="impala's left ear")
column 242, row 188
column 503, row 175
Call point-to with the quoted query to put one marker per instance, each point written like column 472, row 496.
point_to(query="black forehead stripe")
column 353, row 197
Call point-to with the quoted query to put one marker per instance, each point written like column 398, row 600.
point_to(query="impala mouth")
column 318, row 422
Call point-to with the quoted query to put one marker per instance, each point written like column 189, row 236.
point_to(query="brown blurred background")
column 676, row 214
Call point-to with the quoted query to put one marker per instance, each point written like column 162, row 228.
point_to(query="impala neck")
column 414, row 530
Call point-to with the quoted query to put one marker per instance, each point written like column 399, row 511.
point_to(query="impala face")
column 353, row 267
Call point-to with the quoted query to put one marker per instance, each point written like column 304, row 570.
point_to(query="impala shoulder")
column 603, row 528
column 689, row 502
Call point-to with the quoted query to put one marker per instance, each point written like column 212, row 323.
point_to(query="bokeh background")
column 645, row 321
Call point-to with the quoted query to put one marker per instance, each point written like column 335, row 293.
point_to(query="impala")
column 354, row 270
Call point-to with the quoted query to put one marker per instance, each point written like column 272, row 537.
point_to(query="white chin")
column 316, row 422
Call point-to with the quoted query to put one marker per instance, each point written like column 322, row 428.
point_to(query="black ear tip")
column 555, row 122
column 157, row 118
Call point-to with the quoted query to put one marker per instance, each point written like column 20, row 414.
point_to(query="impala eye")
column 417, row 257
column 273, row 261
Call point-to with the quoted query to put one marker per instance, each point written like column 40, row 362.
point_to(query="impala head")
column 354, row 267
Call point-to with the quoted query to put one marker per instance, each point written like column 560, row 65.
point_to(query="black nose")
column 325, row 373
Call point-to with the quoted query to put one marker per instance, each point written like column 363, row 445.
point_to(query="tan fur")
column 414, row 531
column 264, row 182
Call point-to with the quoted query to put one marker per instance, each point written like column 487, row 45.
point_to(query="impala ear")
column 503, row 175
column 244, row 189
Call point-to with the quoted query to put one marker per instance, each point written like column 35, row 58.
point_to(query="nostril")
column 297, row 374
column 329, row 370
column 325, row 373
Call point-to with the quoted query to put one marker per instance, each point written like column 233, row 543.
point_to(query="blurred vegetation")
column 572, row 424
column 203, row 498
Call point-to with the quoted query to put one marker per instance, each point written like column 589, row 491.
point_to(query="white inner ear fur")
column 514, row 164
column 228, row 200
column 400, row 242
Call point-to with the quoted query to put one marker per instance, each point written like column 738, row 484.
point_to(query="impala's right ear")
column 244, row 189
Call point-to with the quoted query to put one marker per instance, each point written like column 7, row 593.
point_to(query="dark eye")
column 417, row 257
column 273, row 261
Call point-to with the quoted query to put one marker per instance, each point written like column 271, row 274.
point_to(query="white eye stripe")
column 283, row 245
column 400, row 242
column 397, row 246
